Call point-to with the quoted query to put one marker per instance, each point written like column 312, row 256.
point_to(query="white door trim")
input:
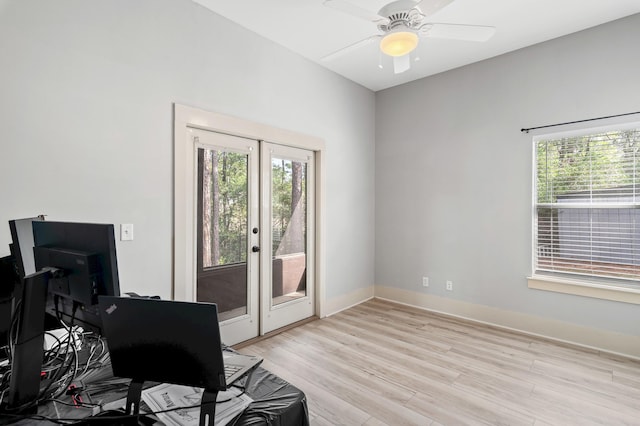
column 187, row 118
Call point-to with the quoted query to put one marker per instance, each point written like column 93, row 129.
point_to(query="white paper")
column 167, row 396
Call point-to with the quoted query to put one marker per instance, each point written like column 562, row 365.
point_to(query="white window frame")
column 582, row 285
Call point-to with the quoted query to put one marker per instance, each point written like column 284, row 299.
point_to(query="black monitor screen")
column 84, row 255
column 164, row 341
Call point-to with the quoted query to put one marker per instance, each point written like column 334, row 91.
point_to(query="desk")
column 276, row 402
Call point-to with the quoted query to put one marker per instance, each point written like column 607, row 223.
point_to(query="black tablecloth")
column 275, row 402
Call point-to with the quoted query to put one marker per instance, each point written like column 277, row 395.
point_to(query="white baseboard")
column 602, row 340
column 346, row 301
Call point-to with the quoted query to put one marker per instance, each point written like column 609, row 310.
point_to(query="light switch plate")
column 126, row 232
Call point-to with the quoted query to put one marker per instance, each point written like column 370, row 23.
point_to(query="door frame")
column 185, row 203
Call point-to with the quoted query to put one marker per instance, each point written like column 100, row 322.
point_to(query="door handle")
column 255, row 249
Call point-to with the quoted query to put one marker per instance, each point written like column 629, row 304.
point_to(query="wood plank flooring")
column 381, row 363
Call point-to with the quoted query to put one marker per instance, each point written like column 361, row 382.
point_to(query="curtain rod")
column 578, row 121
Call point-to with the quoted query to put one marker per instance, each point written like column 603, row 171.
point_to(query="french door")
column 227, row 271
column 254, row 233
column 287, row 215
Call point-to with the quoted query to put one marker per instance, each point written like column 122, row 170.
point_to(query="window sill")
column 585, row 288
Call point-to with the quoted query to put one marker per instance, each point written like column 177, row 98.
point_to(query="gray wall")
column 86, row 127
column 453, row 170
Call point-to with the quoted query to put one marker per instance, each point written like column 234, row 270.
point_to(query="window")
column 223, row 195
column 587, row 206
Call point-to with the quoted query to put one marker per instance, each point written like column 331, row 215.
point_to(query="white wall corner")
column 345, row 301
column 602, row 340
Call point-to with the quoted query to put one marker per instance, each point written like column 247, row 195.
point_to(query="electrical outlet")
column 425, row 281
column 450, row 285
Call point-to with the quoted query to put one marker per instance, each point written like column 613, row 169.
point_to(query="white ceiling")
column 313, row 30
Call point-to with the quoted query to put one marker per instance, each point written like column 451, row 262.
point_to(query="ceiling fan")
column 401, row 24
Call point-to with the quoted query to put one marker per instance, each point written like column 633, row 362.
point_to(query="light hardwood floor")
column 381, row 363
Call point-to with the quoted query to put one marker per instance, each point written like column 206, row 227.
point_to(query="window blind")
column 587, row 205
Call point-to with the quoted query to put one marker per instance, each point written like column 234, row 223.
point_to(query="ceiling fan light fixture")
column 399, row 43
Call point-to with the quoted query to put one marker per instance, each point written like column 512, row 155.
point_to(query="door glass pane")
column 223, row 231
column 289, row 229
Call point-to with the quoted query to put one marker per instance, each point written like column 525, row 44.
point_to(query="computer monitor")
column 21, row 250
column 8, row 279
column 171, row 342
column 164, row 341
column 86, row 255
column 22, row 247
column 75, row 263
column 13, row 269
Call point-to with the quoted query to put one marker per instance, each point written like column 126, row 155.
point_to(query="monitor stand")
column 24, row 384
column 207, row 404
column 208, row 407
column 133, row 397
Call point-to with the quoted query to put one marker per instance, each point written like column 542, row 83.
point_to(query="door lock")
column 255, row 249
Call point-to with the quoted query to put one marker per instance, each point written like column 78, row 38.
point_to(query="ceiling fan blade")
column 429, row 7
column 350, row 48
column 357, row 11
column 458, row 32
column 401, row 63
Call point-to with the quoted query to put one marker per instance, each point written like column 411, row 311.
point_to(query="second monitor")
column 85, row 255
